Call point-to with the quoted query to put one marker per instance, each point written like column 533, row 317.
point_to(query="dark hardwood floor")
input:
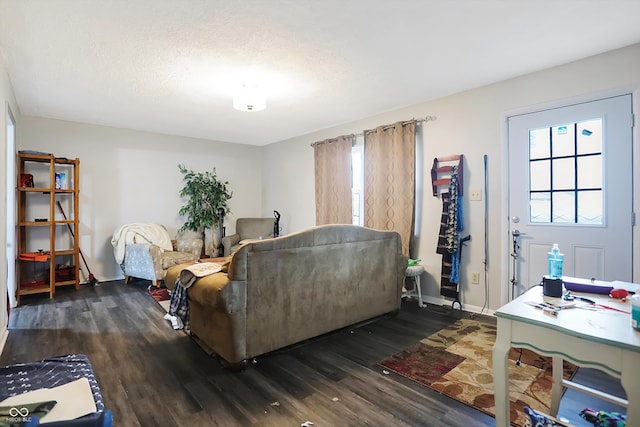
column 151, row 375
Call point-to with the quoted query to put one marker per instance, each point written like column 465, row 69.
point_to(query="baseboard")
column 447, row 303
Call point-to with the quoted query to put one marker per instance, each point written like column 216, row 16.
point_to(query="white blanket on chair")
column 139, row 232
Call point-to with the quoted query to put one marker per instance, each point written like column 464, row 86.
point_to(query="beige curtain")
column 389, row 180
column 333, row 180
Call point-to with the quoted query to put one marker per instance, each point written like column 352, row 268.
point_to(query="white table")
column 602, row 339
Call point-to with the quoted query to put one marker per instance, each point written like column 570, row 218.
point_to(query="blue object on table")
column 554, row 261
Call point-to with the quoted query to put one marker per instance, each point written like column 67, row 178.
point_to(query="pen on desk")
column 587, row 300
column 548, row 309
column 568, row 296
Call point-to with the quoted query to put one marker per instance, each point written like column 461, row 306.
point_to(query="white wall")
column 7, row 101
column 130, row 176
column 471, row 123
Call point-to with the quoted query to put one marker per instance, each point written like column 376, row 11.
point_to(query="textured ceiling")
column 170, row 66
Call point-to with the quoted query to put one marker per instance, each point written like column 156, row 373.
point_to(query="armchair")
column 146, row 251
column 247, row 230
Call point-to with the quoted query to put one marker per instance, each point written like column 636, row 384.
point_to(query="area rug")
column 161, row 296
column 456, row 361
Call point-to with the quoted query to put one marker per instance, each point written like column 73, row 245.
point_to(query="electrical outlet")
column 475, row 194
column 475, row 278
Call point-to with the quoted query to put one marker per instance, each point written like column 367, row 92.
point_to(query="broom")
column 92, row 279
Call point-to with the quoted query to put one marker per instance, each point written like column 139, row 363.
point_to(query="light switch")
column 475, row 194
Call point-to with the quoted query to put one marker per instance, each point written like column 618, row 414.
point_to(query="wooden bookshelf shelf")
column 41, row 194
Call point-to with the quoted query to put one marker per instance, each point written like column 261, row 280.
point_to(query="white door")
column 570, row 182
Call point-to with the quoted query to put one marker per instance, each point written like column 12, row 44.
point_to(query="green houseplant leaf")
column 206, row 195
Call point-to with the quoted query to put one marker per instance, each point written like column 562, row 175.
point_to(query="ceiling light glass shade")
column 249, row 98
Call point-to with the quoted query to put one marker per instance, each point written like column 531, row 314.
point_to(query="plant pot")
column 211, row 241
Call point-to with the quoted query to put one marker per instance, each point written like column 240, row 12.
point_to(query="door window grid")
column 565, row 173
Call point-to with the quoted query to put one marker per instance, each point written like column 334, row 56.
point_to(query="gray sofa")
column 281, row 291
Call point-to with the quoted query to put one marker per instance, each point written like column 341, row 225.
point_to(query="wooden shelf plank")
column 65, row 283
column 29, row 290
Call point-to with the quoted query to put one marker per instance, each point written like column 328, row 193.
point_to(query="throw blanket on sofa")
column 139, row 233
column 179, row 306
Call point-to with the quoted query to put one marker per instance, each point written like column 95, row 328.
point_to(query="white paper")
column 75, row 399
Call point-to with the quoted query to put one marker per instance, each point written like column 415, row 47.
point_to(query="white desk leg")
column 631, row 382
column 556, row 388
column 501, row 372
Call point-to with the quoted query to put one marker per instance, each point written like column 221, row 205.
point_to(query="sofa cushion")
column 210, row 291
column 225, row 264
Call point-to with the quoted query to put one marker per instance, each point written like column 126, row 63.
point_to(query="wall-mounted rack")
column 442, row 170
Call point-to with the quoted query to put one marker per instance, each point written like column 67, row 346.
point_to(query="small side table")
column 415, row 272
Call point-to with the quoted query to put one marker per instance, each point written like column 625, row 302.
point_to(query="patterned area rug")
column 161, row 296
column 456, row 361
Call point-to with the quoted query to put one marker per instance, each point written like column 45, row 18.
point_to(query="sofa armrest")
column 230, row 241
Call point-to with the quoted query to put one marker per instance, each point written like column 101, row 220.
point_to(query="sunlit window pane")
column 590, row 172
column 356, row 170
column 540, row 175
column 566, row 173
column 563, row 174
column 590, row 207
column 563, row 140
column 590, row 136
column 539, row 145
column 540, row 205
column 357, row 203
column 564, row 207
column 355, row 208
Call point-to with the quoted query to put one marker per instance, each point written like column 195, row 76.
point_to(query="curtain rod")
column 354, row 135
column 426, row 119
column 331, row 140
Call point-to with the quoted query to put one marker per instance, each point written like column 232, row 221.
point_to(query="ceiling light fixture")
column 249, row 98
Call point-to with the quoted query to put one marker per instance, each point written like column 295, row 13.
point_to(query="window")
column 565, row 173
column 357, row 179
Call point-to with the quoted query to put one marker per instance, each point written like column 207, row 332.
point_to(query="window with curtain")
column 372, row 184
column 389, row 180
column 333, row 179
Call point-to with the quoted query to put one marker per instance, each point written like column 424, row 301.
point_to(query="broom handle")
column 74, row 237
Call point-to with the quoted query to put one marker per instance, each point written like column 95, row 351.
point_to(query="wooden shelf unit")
column 41, row 224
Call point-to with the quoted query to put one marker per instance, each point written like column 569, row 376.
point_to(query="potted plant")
column 207, row 204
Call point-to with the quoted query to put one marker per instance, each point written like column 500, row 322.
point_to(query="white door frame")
column 10, row 214
column 505, row 237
